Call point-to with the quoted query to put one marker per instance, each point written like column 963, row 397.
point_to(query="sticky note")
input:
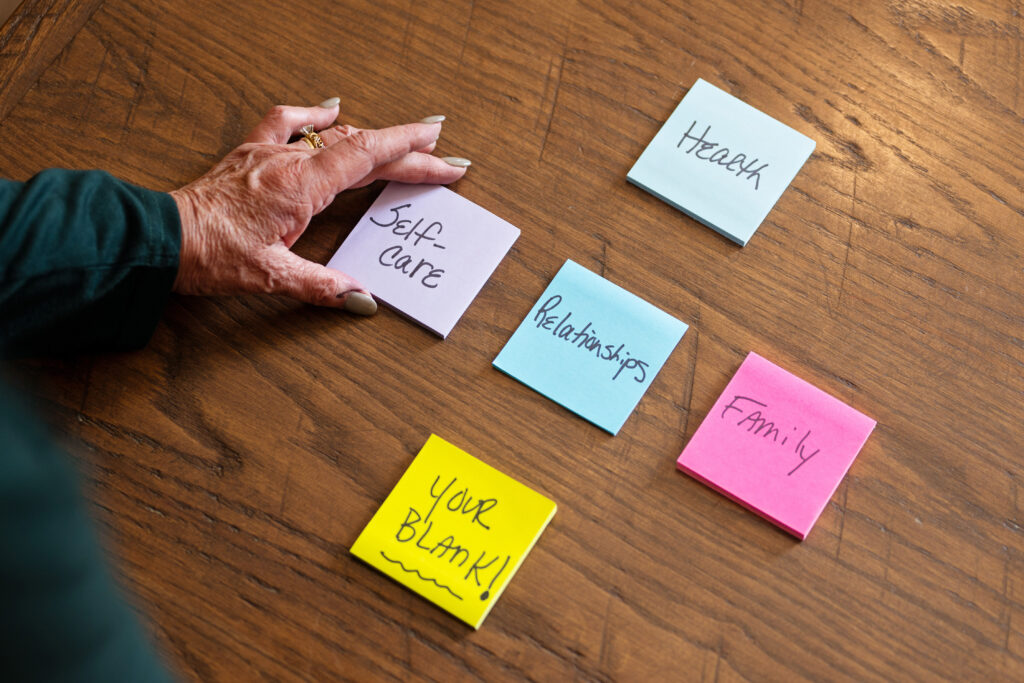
column 455, row 530
column 776, row 444
column 721, row 161
column 425, row 251
column 591, row 346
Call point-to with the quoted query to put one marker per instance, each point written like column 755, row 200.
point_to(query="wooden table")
column 235, row 459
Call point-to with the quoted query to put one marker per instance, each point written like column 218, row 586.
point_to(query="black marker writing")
column 461, row 501
column 586, row 338
column 448, row 497
column 417, row 573
column 396, row 256
column 755, row 422
column 487, row 593
column 720, row 155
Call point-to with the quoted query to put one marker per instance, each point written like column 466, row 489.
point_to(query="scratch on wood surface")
column 284, row 489
column 693, row 374
column 842, row 516
column 554, row 98
column 888, row 562
column 465, row 35
column 1007, row 606
column 139, row 83
column 606, row 632
column 95, row 81
column 718, row 657
column 405, row 33
column 849, row 241
column 1016, row 74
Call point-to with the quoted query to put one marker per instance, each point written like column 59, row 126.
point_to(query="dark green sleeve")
column 61, row 615
column 86, row 262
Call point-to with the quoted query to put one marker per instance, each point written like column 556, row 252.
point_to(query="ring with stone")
column 312, row 138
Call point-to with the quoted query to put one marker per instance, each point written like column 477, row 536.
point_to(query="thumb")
column 321, row 286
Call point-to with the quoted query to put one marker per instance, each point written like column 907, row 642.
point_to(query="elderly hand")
column 239, row 221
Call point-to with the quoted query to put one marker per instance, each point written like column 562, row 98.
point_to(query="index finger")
column 352, row 159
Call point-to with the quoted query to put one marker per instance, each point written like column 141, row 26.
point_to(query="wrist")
column 190, row 252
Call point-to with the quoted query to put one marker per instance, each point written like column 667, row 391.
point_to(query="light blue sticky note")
column 591, row 346
column 721, row 161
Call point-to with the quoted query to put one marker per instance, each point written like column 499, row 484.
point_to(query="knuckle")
column 323, row 291
column 344, row 130
column 421, row 170
column 271, row 279
column 363, row 142
column 278, row 112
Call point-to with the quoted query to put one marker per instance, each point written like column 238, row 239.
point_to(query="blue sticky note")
column 721, row 161
column 591, row 346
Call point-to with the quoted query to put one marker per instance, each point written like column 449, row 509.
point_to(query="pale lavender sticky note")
column 776, row 444
column 425, row 251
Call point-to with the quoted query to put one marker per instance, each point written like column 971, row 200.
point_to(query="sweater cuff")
column 153, row 282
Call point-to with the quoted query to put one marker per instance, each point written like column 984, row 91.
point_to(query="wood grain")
column 234, row 460
column 33, row 34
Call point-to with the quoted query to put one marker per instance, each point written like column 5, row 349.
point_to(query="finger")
column 349, row 160
column 417, row 167
column 282, row 121
column 336, row 134
column 312, row 283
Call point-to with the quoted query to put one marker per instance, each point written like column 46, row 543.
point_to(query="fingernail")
column 437, row 118
column 457, row 161
column 331, row 103
column 360, row 304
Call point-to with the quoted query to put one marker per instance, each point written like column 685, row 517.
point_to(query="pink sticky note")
column 776, row 444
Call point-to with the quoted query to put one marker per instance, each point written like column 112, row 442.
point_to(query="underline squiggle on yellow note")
column 417, row 573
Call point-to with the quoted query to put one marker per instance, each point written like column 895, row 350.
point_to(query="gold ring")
column 312, row 138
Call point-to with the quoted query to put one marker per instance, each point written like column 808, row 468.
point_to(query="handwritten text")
column 719, row 156
column 586, row 338
column 396, row 256
column 757, row 423
column 418, row 529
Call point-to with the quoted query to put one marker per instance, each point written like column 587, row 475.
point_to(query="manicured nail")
column 457, row 161
column 331, row 103
column 360, row 304
column 437, row 118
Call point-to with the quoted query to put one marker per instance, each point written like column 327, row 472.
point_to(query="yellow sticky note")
column 454, row 530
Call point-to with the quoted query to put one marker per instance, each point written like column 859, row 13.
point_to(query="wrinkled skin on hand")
column 241, row 218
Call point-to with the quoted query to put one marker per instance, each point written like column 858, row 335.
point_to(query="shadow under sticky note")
column 591, row 346
column 425, row 251
column 454, row 530
column 721, row 161
column 776, row 444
